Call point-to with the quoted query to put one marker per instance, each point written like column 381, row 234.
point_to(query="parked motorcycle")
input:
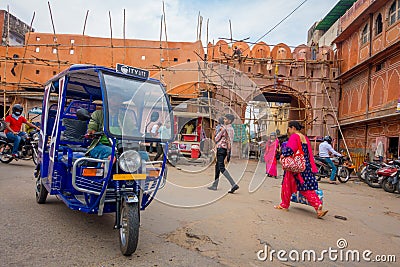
column 28, row 147
column 173, row 153
column 344, row 168
column 371, row 177
column 389, row 177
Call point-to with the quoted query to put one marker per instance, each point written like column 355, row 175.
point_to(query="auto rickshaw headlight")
column 130, row 161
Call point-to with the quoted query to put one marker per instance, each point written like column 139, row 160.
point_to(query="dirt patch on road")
column 187, row 238
column 393, row 214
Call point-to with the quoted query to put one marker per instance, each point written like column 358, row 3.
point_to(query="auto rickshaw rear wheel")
column 129, row 231
column 40, row 190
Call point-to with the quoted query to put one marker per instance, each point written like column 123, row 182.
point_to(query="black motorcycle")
column 370, row 173
column 28, row 147
column 343, row 169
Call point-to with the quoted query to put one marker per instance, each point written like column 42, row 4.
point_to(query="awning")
column 336, row 12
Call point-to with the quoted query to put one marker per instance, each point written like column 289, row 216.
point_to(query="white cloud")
column 249, row 18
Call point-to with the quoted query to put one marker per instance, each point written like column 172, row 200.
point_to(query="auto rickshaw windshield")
column 130, row 105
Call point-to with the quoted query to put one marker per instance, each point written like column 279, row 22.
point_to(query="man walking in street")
column 224, row 141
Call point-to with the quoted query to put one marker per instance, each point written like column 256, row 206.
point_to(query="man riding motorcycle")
column 325, row 150
column 13, row 127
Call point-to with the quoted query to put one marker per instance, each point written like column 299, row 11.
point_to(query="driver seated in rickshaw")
column 122, row 119
column 100, row 147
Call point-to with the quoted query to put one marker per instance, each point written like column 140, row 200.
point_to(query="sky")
column 249, row 19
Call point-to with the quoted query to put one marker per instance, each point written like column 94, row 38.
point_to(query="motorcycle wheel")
column 5, row 154
column 371, row 178
column 34, row 155
column 129, row 231
column 343, row 175
column 40, row 191
column 361, row 173
column 320, row 172
column 387, row 185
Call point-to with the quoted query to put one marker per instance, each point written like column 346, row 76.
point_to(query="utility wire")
column 280, row 22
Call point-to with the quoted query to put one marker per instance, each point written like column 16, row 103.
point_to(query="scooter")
column 343, row 170
column 389, row 177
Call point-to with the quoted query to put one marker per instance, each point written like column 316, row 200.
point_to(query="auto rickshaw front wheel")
column 129, row 231
column 40, row 191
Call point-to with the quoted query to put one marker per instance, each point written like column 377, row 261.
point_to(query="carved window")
column 364, row 35
column 378, row 24
column 394, row 12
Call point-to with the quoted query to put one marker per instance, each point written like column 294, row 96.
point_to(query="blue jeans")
column 100, row 151
column 16, row 139
column 333, row 167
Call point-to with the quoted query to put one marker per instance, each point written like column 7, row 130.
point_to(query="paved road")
column 53, row 235
column 223, row 229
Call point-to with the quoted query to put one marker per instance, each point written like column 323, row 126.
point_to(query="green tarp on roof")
column 337, row 11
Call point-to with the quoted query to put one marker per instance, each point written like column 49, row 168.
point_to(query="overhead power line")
column 280, row 22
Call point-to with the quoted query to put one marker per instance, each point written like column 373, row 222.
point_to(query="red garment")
column 294, row 142
column 15, row 125
column 270, row 157
column 310, row 195
column 289, row 185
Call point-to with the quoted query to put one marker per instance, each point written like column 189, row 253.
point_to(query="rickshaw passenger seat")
column 74, row 130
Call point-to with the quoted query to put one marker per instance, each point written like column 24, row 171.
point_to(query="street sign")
column 140, row 73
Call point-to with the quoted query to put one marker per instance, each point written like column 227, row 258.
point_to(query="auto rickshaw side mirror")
column 83, row 115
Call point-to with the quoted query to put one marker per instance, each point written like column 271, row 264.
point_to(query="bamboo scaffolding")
column 83, row 35
column 55, row 36
column 5, row 63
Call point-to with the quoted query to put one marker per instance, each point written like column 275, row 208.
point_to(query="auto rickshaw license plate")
column 129, row 176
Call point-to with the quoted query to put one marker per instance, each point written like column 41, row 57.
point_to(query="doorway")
column 393, row 148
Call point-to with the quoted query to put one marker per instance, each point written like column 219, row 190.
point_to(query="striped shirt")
column 224, row 138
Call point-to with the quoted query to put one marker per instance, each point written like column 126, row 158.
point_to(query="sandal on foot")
column 279, row 207
column 321, row 213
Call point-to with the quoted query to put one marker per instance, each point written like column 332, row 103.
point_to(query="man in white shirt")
column 165, row 134
column 379, row 151
column 325, row 150
column 154, row 133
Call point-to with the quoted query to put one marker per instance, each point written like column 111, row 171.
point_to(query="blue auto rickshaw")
column 127, row 181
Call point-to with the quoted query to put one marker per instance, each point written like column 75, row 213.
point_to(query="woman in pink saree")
column 271, row 147
column 305, row 181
